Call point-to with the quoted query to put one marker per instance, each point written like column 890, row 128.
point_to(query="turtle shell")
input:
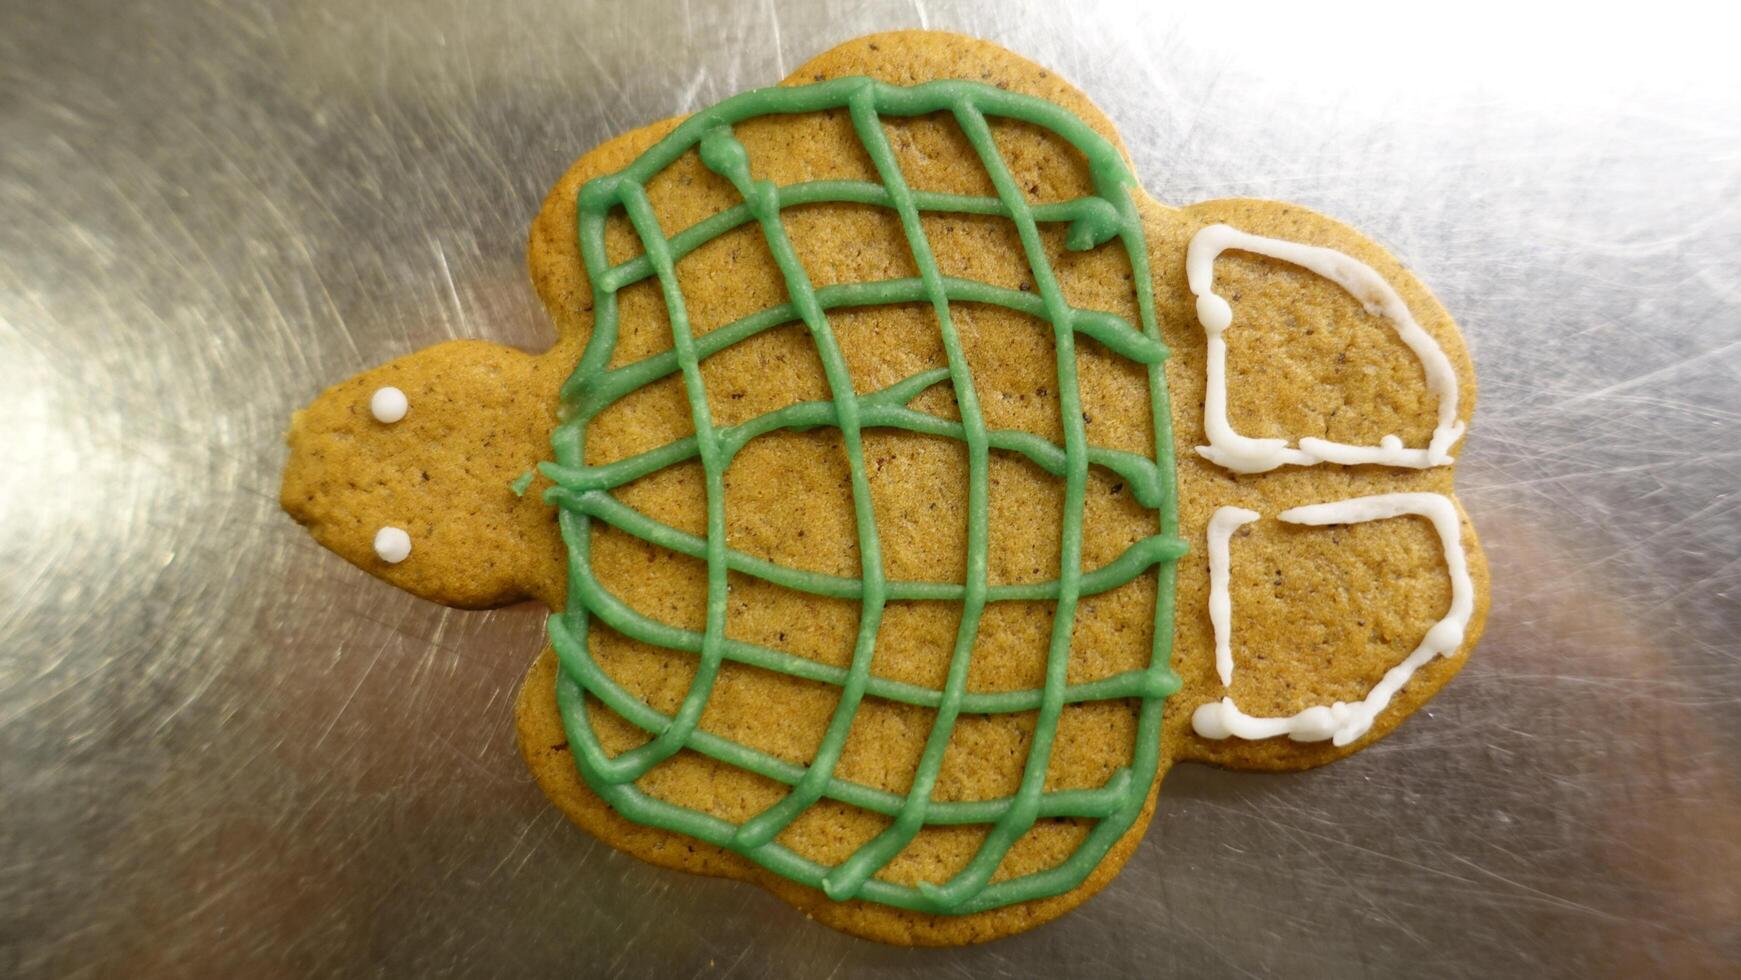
column 865, row 477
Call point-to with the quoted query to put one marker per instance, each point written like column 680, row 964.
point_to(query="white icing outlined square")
column 1243, row 454
column 1340, row 722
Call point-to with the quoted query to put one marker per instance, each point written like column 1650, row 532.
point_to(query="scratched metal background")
column 222, row 749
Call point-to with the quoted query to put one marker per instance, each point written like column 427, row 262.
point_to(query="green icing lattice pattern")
column 583, row 494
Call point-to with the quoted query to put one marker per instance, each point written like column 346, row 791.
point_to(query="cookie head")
column 408, row 471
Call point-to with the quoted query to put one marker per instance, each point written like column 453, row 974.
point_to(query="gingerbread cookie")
column 911, row 490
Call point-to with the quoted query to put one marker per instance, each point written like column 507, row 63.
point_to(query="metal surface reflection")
column 221, row 747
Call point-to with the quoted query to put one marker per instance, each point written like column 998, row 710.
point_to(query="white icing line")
column 1242, row 454
column 1341, row 722
column 388, row 404
column 392, row 545
column 1225, row 521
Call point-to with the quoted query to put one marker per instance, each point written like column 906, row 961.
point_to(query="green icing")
column 583, row 494
column 520, row 483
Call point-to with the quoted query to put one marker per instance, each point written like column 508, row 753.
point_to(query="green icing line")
column 616, row 614
column 722, row 153
column 1075, row 803
column 1107, row 328
column 1135, row 559
column 583, row 493
column 884, row 408
column 520, row 483
column 1092, row 212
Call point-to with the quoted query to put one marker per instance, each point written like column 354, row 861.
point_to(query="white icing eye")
column 392, row 545
column 388, row 404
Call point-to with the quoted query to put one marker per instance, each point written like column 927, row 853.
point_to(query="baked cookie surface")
column 1039, row 734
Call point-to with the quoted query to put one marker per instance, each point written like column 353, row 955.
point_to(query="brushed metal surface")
column 222, row 749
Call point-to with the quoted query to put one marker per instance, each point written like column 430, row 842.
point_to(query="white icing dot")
column 392, row 545
column 388, row 404
column 1214, row 313
column 1210, row 721
column 1314, row 724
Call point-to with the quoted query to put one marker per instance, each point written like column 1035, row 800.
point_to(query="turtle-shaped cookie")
column 889, row 498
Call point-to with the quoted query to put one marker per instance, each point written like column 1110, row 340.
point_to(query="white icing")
column 392, row 545
column 389, row 404
column 1242, row 454
column 1340, row 722
column 1225, row 521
